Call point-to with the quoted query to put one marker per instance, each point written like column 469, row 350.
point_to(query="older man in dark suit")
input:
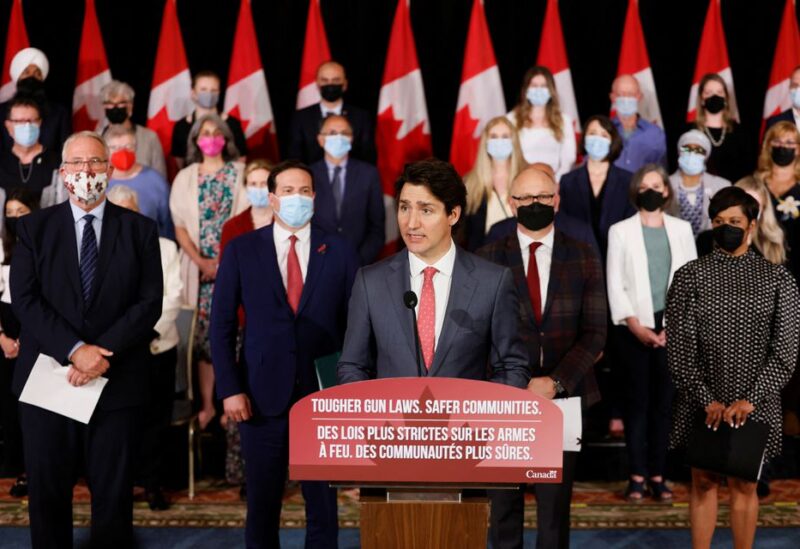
column 349, row 199
column 87, row 287
column 467, row 309
column 563, row 311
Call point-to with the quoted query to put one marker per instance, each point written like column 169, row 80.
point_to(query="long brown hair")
column 700, row 117
column 768, row 237
column 479, row 179
column 552, row 110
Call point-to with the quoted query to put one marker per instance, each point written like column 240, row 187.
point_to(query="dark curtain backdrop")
column 358, row 33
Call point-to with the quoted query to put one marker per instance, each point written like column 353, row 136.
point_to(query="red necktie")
column 533, row 283
column 294, row 276
column 426, row 319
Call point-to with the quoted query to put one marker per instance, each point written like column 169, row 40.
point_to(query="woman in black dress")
column 732, row 323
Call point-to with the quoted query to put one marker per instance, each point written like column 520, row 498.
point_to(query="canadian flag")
column 93, row 74
column 553, row 55
column 480, row 97
column 247, row 96
column 16, row 39
column 402, row 131
column 315, row 53
column 170, row 97
column 787, row 58
column 633, row 60
column 712, row 57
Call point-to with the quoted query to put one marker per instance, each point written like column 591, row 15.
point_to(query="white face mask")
column 88, row 188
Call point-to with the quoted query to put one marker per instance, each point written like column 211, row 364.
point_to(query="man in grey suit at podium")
column 467, row 308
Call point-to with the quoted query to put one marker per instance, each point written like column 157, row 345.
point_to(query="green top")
column 659, row 260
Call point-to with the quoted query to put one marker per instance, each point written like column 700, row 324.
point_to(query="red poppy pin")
column 322, row 249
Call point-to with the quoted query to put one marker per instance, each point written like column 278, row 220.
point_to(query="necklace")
column 22, row 175
column 711, row 138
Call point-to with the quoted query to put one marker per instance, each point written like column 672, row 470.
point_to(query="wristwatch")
column 557, row 385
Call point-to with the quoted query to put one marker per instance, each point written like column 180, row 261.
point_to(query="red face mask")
column 123, row 159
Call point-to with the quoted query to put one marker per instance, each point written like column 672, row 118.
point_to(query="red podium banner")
column 441, row 430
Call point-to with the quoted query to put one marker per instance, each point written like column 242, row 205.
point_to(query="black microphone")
column 410, row 301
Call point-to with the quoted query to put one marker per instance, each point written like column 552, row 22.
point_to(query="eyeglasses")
column 92, row 163
column 693, row 149
column 334, row 132
column 779, row 143
column 112, row 105
column 528, row 199
column 16, row 121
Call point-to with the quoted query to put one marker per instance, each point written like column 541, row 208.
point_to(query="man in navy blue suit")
column 293, row 281
column 793, row 114
column 349, row 199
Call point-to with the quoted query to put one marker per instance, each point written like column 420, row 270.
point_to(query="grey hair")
column 193, row 152
column 81, row 135
column 116, row 88
column 122, row 193
column 119, row 130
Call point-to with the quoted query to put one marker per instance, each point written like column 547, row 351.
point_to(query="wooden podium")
column 432, row 445
column 415, row 518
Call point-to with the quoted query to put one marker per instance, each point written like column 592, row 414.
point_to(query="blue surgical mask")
column 538, row 96
column 337, row 145
column 626, row 106
column 597, row 146
column 692, row 163
column 258, row 196
column 795, row 95
column 499, row 148
column 26, row 134
column 296, row 210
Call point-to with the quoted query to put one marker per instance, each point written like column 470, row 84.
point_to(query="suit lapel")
column 269, row 259
column 316, row 259
column 558, row 265
column 513, row 260
column 71, row 249
column 400, row 279
column 350, row 187
column 462, row 287
column 108, row 237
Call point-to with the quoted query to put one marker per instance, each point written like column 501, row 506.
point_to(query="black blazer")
column 305, row 127
column 786, row 115
column 124, row 307
column 363, row 216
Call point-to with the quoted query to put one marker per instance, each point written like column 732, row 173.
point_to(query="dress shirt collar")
column 331, row 166
column 97, row 211
column 444, row 265
column 525, row 241
column 282, row 234
column 336, row 110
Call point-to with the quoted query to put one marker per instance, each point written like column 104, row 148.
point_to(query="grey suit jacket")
column 480, row 334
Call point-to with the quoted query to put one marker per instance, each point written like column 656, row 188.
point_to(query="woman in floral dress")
column 204, row 195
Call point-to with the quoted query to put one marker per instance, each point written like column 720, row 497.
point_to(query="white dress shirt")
column 544, row 258
column 441, row 284
column 97, row 223
column 302, row 247
column 337, row 110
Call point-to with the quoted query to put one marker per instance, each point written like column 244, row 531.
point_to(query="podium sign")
column 431, row 430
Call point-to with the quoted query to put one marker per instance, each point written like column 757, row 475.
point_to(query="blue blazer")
column 363, row 216
column 276, row 366
column 573, row 228
column 575, row 195
column 786, row 115
column 480, row 337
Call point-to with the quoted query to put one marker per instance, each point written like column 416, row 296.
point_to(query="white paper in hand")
column 573, row 422
column 47, row 387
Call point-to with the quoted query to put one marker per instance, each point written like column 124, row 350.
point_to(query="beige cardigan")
column 184, row 207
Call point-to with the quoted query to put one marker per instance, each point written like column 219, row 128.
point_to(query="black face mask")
column 117, row 115
column 728, row 237
column 331, row 92
column 783, row 156
column 649, row 200
column 11, row 226
column 714, row 104
column 30, row 86
column 536, row 217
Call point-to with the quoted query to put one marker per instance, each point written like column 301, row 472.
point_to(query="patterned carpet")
column 595, row 506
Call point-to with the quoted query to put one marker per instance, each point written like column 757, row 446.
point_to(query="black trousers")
column 552, row 512
column 265, row 448
column 56, row 449
column 9, row 416
column 158, row 416
column 648, row 403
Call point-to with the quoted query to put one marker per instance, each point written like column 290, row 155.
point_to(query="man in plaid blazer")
column 563, row 323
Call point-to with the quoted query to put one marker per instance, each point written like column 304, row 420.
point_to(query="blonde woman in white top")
column 497, row 163
column 545, row 133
